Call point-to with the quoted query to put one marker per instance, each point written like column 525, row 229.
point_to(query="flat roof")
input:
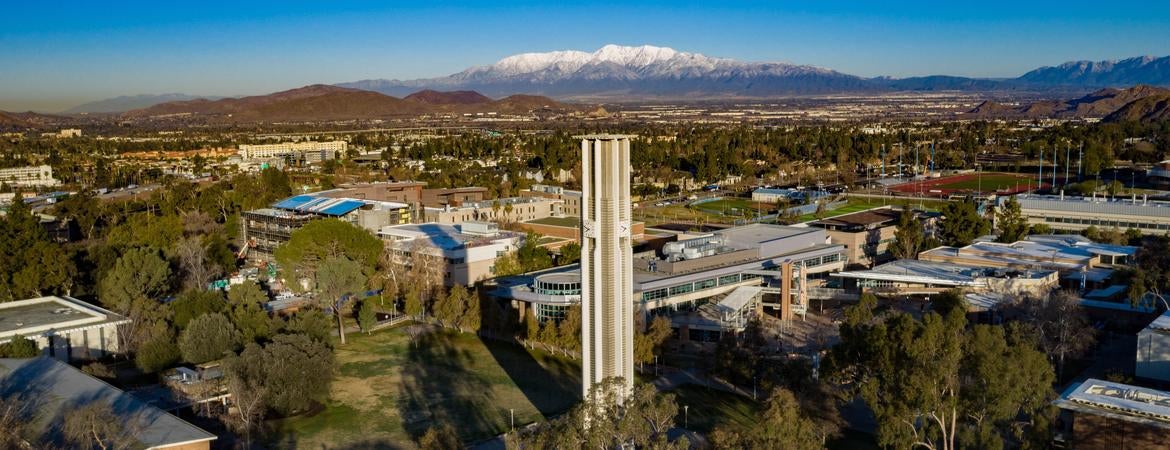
column 604, row 136
column 1121, row 401
column 739, row 298
column 927, row 272
column 748, row 236
column 1160, row 323
column 52, row 388
column 558, row 221
column 35, row 316
column 444, row 236
column 870, row 217
column 1099, row 205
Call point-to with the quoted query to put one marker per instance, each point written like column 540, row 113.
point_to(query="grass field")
column 387, row 391
column 738, row 207
column 990, row 182
column 857, row 204
column 710, row 408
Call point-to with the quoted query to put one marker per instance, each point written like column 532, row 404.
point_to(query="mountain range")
column 618, row 71
column 323, row 102
column 621, row 72
column 130, row 102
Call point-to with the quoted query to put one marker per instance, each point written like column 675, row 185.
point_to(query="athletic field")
column 987, row 183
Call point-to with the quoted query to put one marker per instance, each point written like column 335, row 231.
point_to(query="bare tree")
column 1059, row 324
column 192, row 256
column 90, row 426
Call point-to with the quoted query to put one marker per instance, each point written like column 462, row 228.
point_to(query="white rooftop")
column 739, row 298
column 1123, row 401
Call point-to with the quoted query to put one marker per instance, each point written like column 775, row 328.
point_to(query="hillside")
column 325, row 103
column 128, row 103
column 433, row 97
column 1111, row 73
column 9, row 121
column 1155, row 108
column 1095, row 105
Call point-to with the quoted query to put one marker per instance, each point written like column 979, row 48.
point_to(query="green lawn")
column 709, row 408
column 572, row 222
column 858, row 204
column 738, row 207
column 387, row 391
column 989, row 182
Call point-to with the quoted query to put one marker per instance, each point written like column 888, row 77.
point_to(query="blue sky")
column 54, row 55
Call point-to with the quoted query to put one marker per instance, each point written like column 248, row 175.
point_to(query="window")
column 705, row 284
column 728, row 279
column 682, row 289
column 654, row 295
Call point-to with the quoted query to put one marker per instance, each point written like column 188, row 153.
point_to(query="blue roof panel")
column 294, row 202
column 341, row 208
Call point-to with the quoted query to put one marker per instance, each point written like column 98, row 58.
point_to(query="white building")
column 607, row 291
column 465, row 252
column 1153, row 350
column 29, row 176
column 309, row 151
column 62, row 327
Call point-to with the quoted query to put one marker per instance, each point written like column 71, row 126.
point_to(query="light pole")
column 655, row 365
column 686, row 421
column 512, row 418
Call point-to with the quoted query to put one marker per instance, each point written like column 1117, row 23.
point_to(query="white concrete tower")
column 607, row 292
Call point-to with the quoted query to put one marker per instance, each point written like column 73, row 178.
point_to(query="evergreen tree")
column 961, row 223
column 909, row 237
column 1010, row 224
column 366, row 315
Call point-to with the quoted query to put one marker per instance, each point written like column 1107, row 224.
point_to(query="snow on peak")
column 567, row 61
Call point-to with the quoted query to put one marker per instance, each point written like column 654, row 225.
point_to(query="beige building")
column 571, row 200
column 31, row 176
column 866, row 235
column 510, row 209
column 309, row 151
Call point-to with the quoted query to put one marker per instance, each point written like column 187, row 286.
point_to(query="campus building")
column 62, row 327
column 570, row 199
column 308, row 151
column 607, row 291
column 266, row 229
column 462, row 254
column 1153, row 350
column 693, row 271
column 414, row 193
column 32, row 176
column 509, row 209
column 1079, row 213
column 866, row 235
column 51, row 389
column 1103, row 415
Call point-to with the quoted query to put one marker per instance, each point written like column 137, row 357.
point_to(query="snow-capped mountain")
column 1130, row 71
column 621, row 70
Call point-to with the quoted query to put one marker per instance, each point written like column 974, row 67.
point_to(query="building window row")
column 1108, row 223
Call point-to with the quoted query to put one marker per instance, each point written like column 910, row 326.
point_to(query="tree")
column 309, row 247
column 90, row 427
column 247, row 383
column 473, row 314
column 195, row 303
column 531, row 255
column 909, row 237
column 449, row 309
column 507, row 265
column 442, row 436
column 366, row 315
column 298, row 371
column 19, row 347
column 1058, row 325
column 339, row 277
column 602, row 421
column 252, row 321
column 782, row 425
column 646, row 344
column 192, row 256
column 948, row 301
column 310, row 322
column 131, row 288
column 569, row 330
column 570, row 253
column 1010, row 224
column 207, row 338
column 531, row 327
column 961, row 223
column 158, row 350
column 413, row 301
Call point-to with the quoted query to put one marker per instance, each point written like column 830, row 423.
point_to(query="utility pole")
column 916, row 159
column 1040, row 176
column 932, row 157
column 1055, row 155
column 1067, row 148
column 1080, row 157
column 883, row 161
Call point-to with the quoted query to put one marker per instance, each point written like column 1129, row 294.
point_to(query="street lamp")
column 656, row 365
column 686, row 422
column 512, row 418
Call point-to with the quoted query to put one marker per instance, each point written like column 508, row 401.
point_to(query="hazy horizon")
column 59, row 57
